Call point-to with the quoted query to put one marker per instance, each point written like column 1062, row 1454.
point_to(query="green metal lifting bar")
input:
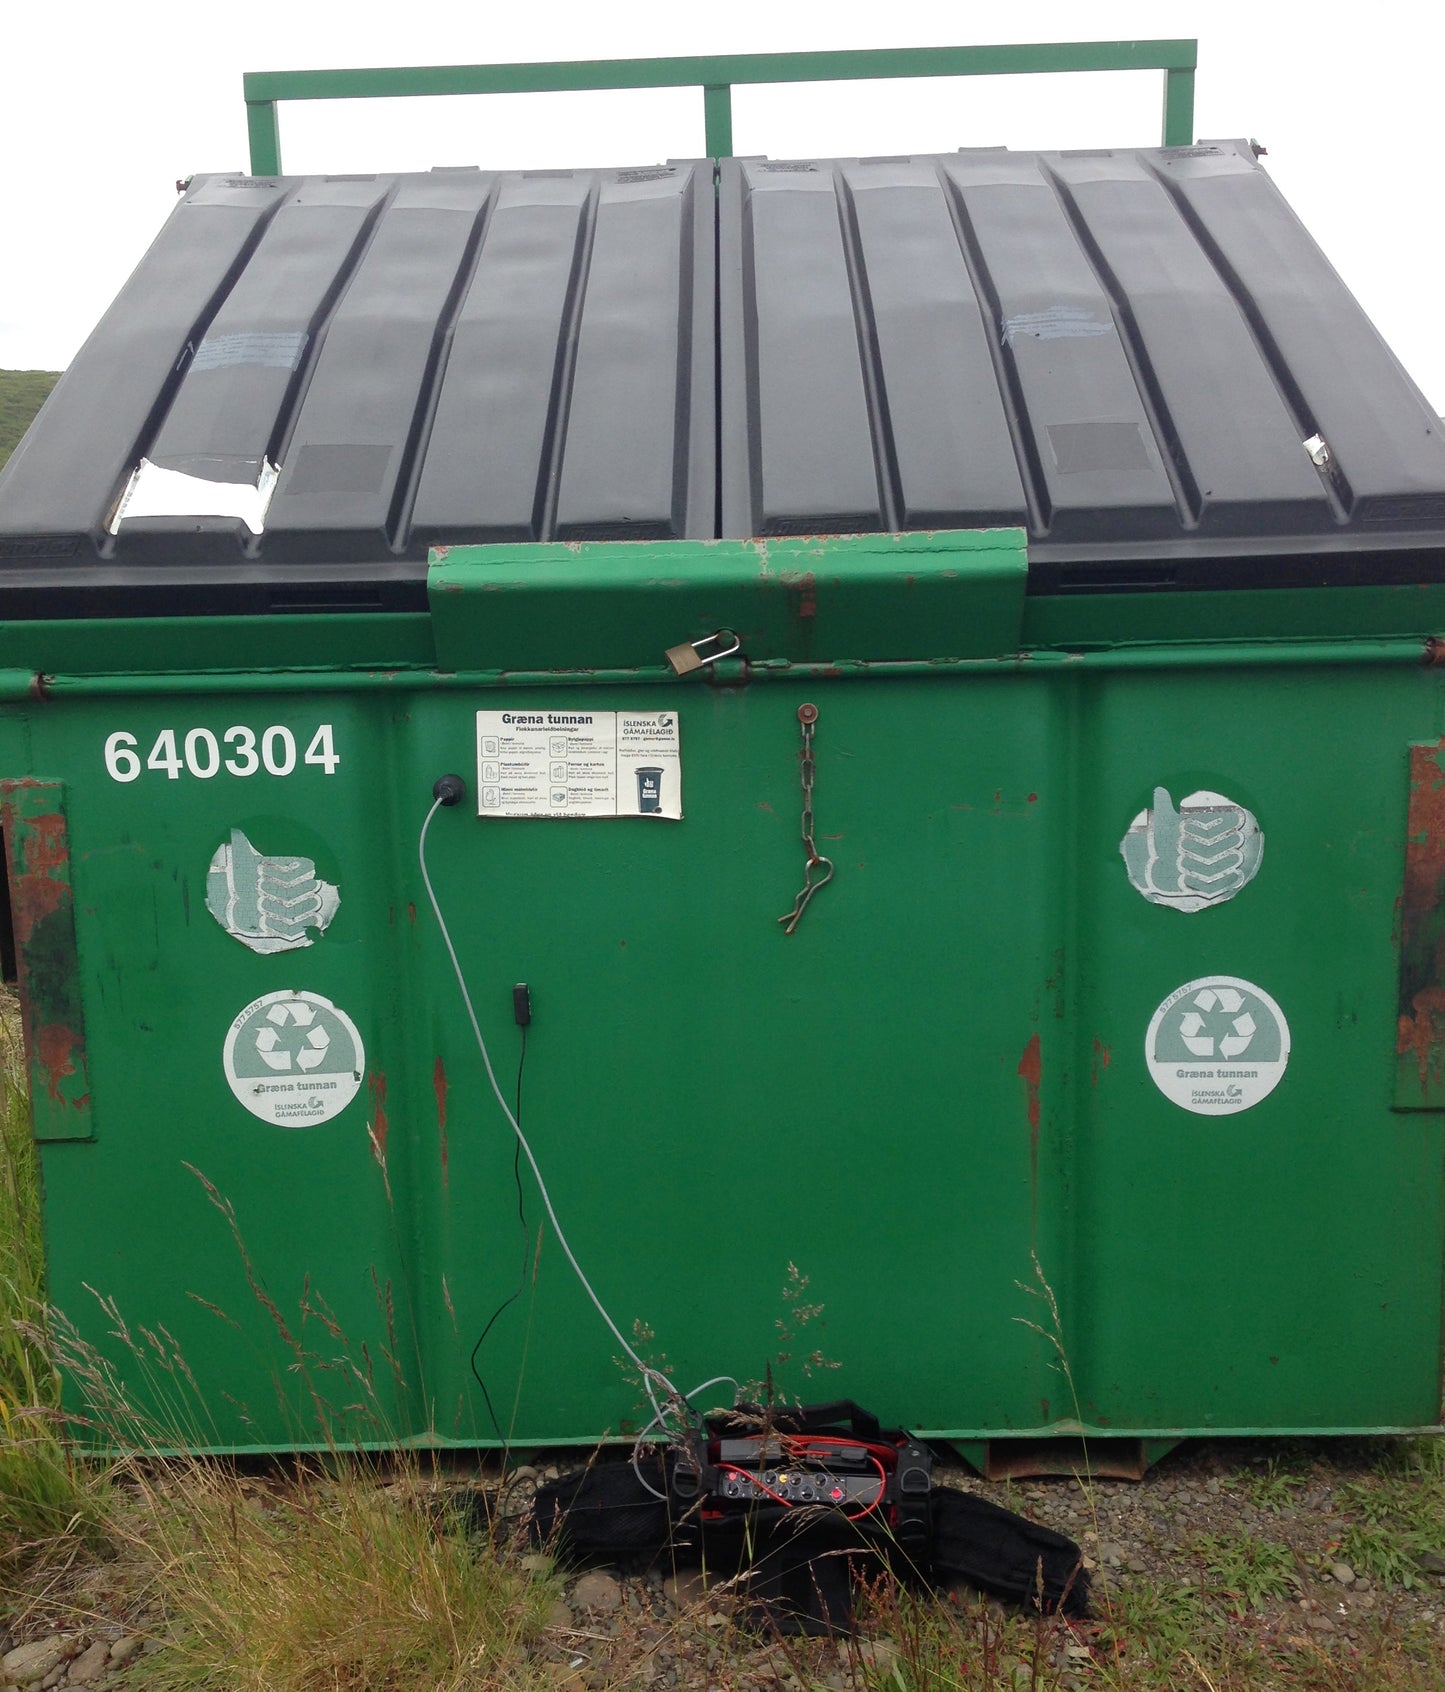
column 716, row 76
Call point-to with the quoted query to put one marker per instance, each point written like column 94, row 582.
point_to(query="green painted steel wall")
column 937, row 1080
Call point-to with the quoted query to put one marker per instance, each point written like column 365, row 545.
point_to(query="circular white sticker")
column 294, row 1059
column 1217, row 1045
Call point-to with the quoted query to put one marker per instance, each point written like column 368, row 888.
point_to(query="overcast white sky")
column 106, row 105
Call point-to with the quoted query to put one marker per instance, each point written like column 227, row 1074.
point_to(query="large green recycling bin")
column 992, row 1057
column 1099, row 1086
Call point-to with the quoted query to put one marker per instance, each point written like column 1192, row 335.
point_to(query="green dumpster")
column 939, row 660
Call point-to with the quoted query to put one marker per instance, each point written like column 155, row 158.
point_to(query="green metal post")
column 1178, row 107
column 717, row 112
column 265, row 137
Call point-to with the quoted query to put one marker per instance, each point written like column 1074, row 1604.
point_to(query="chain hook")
column 810, row 887
column 813, row 858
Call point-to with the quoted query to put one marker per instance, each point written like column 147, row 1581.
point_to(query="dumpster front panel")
column 945, row 1109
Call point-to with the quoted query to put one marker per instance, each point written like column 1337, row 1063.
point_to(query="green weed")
column 1385, row 1554
column 1271, row 1488
column 1398, row 1514
column 1158, row 1619
column 1247, row 1568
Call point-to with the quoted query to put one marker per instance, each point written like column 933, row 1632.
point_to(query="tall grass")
column 370, row 1577
column 355, row 1572
column 42, row 1493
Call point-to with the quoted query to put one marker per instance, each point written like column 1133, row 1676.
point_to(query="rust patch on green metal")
column 1420, row 1028
column 380, row 1127
column 439, row 1087
column 42, row 909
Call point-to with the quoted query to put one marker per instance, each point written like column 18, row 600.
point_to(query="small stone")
column 124, row 1649
column 598, row 1591
column 685, row 1589
column 523, row 1472
column 54, row 1678
column 1319, row 1624
column 1110, row 1555
column 560, row 1616
column 1363, row 1583
column 1430, row 1562
column 880, row 1654
column 1343, row 1573
column 536, row 1562
column 90, row 1664
column 27, row 1664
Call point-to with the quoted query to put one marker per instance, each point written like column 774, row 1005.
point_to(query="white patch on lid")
column 154, row 492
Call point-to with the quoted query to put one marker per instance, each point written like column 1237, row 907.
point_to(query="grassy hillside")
column 22, row 393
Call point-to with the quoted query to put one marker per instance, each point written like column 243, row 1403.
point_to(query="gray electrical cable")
column 648, row 1372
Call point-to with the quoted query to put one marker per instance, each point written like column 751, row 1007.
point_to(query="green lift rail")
column 717, row 75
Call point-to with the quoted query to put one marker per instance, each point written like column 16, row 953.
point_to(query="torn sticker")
column 271, row 904
column 1199, row 855
column 155, row 491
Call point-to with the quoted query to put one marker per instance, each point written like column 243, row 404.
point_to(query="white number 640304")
column 198, row 752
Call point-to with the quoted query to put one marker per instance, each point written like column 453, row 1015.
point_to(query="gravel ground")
column 1137, row 1537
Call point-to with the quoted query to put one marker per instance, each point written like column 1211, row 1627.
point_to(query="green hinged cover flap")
column 586, row 605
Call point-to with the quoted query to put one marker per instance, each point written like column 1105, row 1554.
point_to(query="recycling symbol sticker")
column 294, row 1059
column 1217, row 1046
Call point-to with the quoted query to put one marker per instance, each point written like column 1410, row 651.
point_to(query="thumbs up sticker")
column 1199, row 855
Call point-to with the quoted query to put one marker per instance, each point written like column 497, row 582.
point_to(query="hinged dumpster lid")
column 1141, row 357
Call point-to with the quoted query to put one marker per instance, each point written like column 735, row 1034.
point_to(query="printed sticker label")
column 578, row 764
column 1199, row 855
column 267, row 903
column 1217, row 1046
column 294, row 1059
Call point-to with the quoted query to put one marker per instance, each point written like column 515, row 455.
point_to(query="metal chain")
column 814, row 860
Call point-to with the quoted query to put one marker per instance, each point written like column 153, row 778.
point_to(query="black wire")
column 526, row 1248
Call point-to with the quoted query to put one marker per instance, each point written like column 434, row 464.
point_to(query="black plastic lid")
column 1139, row 356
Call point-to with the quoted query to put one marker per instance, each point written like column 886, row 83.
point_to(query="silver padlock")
column 694, row 654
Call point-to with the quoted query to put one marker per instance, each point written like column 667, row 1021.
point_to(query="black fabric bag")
column 1005, row 1555
column 799, row 1566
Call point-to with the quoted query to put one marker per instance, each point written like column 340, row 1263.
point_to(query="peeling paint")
column 55, row 1050
column 1103, row 1057
column 376, row 1082
column 1420, row 1033
column 43, row 919
column 1031, row 1069
column 439, row 1087
column 806, row 588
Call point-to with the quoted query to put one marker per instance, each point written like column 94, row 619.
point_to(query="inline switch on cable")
column 522, row 1004
column 449, row 790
